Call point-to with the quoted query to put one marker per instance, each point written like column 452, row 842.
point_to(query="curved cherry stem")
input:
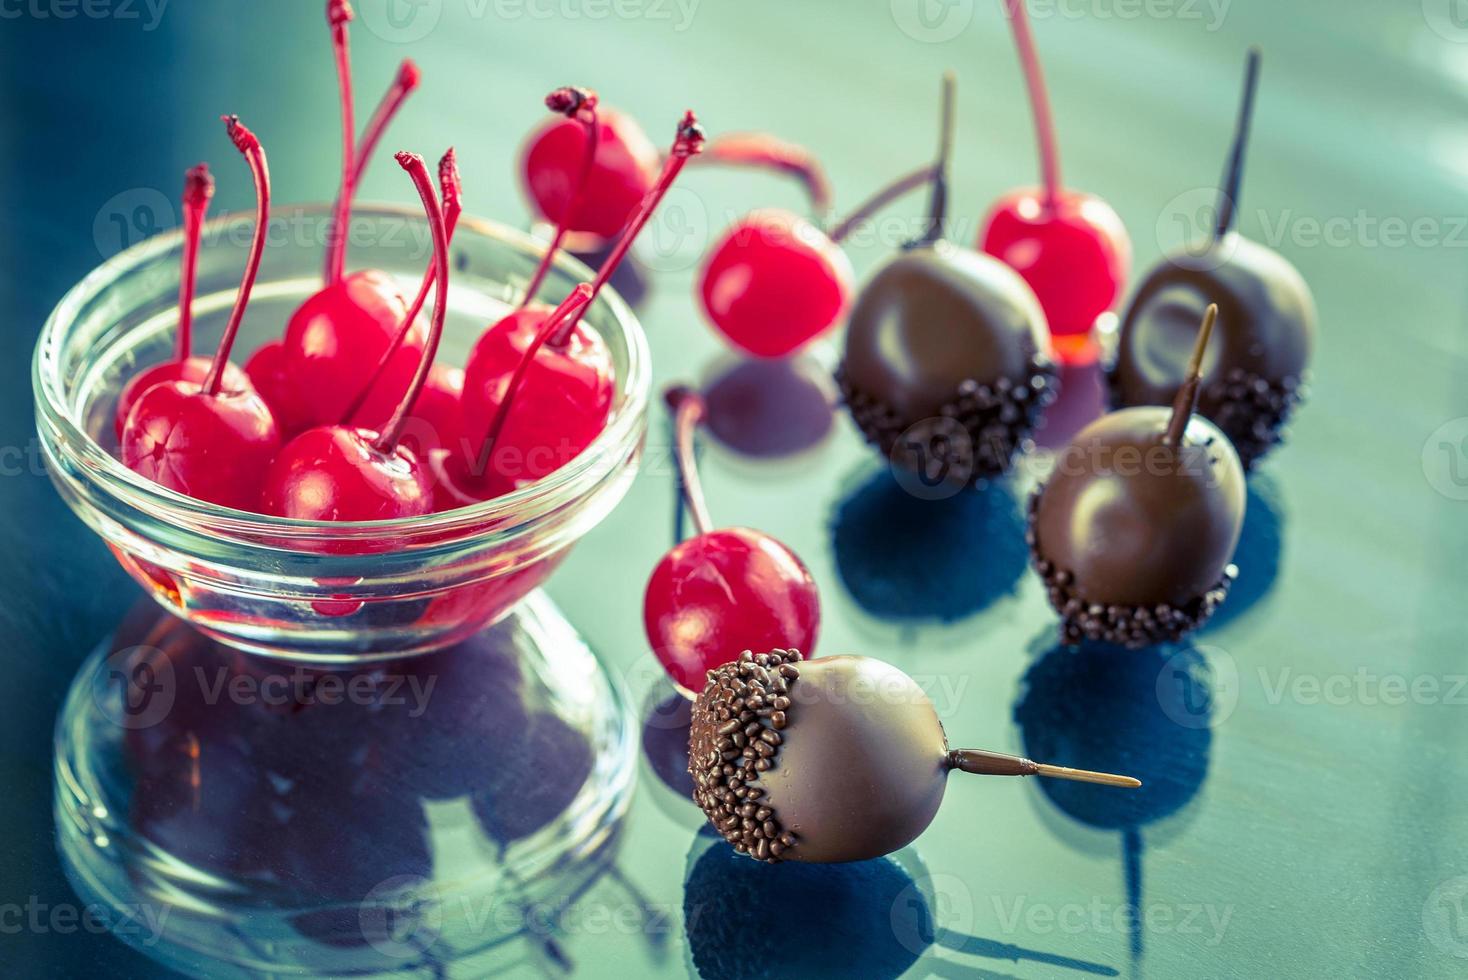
column 906, row 184
column 687, row 143
column 404, row 85
column 1186, row 398
column 1029, row 60
column 339, row 15
column 451, row 190
column 246, row 142
column 579, row 104
column 1233, row 176
column 761, row 150
column 689, row 411
column 984, row 763
column 938, row 202
column 197, row 193
column 387, row 440
column 570, row 307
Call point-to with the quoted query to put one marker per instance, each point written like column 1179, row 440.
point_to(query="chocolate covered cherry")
column 943, row 339
column 1134, row 533
column 1255, row 373
column 836, row 759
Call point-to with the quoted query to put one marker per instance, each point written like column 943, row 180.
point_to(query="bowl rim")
column 623, row 429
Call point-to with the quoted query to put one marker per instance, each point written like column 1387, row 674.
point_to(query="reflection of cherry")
column 342, row 473
column 199, row 438
column 541, row 770
column 1072, row 248
column 198, row 190
column 769, row 408
column 724, row 591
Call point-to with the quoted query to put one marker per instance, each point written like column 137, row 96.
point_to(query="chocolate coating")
column 1133, row 536
column 1255, row 367
column 855, row 769
column 946, row 332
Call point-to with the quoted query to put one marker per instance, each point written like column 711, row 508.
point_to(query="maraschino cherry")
column 723, row 591
column 1072, row 248
column 201, row 438
column 626, row 169
column 348, row 473
column 338, row 335
column 566, row 394
column 198, row 191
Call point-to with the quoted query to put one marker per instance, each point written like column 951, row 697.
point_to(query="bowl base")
column 229, row 815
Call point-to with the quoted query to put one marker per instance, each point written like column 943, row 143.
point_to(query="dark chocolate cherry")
column 836, row 759
column 722, row 591
column 1254, row 374
column 200, row 438
column 1134, row 533
column 947, row 358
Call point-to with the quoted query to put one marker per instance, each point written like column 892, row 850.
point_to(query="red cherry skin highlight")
column 774, row 283
column 626, row 169
column 194, row 370
column 334, row 473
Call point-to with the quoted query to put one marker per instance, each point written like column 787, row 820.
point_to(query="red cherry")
column 723, row 592
column 1071, row 248
column 341, row 473
column 198, row 191
column 626, row 170
column 269, row 372
column 774, row 282
column 566, row 395
column 200, row 439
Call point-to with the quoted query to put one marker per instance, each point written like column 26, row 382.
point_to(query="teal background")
column 1332, row 831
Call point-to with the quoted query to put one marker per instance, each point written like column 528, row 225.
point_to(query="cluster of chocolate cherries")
column 349, row 416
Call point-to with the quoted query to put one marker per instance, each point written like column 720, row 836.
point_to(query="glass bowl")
column 331, row 592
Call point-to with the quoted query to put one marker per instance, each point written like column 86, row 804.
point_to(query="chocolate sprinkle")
column 1133, row 627
column 998, row 417
column 735, row 736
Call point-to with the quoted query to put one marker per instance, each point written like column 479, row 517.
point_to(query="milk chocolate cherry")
column 1134, row 533
column 947, row 360
column 723, row 590
column 1072, row 248
column 835, row 759
column 1254, row 377
column 199, row 437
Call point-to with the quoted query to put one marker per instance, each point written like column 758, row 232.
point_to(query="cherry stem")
column 687, row 143
column 570, row 307
column 579, row 104
column 908, row 182
column 339, row 15
column 984, row 763
column 761, row 150
column 451, row 189
column 1029, row 60
column 387, row 441
column 247, row 143
column 1187, row 396
column 1233, row 176
column 689, row 411
column 938, row 203
column 402, row 86
column 198, row 191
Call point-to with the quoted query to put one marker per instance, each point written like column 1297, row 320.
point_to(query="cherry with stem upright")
column 722, row 591
column 578, row 104
column 201, row 438
column 1071, row 247
column 197, row 193
column 346, row 473
column 566, row 393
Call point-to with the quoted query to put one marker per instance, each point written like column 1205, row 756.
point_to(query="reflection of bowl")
column 332, row 591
